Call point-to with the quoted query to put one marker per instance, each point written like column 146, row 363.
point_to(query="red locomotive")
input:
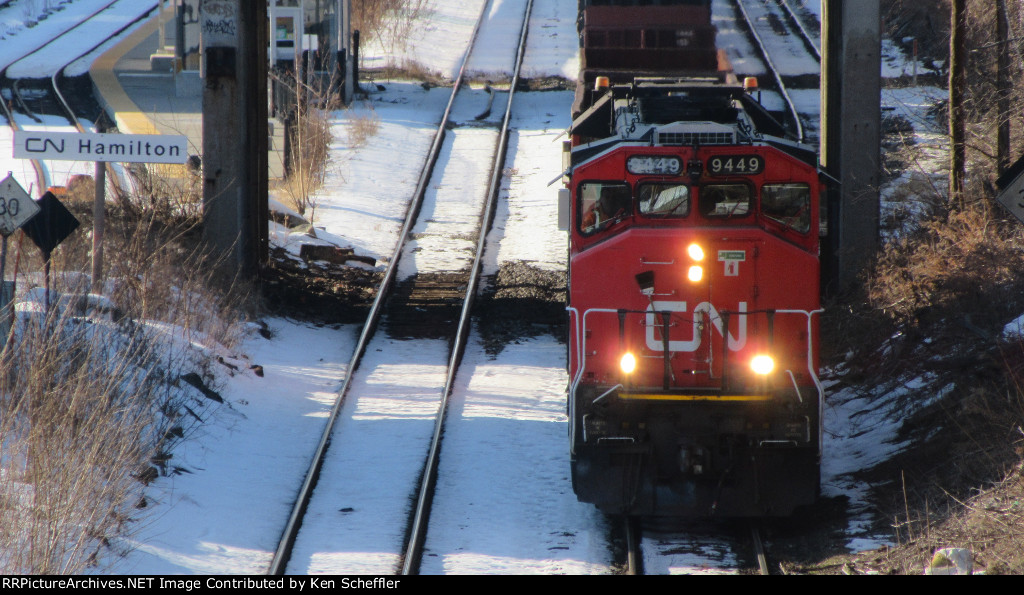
column 693, row 278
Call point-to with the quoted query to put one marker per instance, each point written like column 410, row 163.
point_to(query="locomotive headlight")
column 696, row 273
column 695, row 252
column 628, row 363
column 762, row 364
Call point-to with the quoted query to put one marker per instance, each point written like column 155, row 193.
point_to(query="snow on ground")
column 525, row 226
column 225, row 514
column 510, row 524
column 364, row 195
column 908, row 198
column 362, row 206
column 245, row 466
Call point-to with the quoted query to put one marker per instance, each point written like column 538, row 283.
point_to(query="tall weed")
column 92, row 396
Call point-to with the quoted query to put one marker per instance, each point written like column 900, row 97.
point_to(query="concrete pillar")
column 851, row 134
column 235, row 133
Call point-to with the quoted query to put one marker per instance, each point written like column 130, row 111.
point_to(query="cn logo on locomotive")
column 703, row 313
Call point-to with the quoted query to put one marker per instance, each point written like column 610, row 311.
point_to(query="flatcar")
column 693, row 227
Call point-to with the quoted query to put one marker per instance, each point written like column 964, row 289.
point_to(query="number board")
column 16, row 206
column 735, row 165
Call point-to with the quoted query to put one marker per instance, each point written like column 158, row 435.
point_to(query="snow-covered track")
column 700, row 547
column 421, row 516
column 810, row 40
column 764, row 24
column 402, row 302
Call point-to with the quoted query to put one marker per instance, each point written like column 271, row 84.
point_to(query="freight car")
column 693, row 277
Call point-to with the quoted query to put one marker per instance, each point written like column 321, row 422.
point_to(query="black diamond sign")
column 51, row 225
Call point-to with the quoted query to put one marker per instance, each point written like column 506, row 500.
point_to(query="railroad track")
column 697, row 547
column 804, row 26
column 788, row 52
column 430, row 304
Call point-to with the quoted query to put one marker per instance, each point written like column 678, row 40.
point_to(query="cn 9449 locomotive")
column 693, row 226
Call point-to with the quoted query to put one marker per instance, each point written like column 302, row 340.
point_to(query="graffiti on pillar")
column 219, row 23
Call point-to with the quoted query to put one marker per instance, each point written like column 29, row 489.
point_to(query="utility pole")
column 235, row 134
column 850, row 135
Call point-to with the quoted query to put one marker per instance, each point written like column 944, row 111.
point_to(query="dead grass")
column 990, row 524
column 362, row 126
column 951, row 263
column 412, row 70
column 308, row 129
column 390, row 21
column 933, row 309
column 91, row 393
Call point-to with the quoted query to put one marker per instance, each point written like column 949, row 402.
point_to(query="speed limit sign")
column 16, row 206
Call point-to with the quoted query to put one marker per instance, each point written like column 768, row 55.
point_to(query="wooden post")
column 99, row 219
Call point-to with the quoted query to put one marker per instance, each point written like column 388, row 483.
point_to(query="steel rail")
column 762, row 560
column 808, row 39
column 294, row 523
column 421, row 517
column 634, row 561
column 774, row 70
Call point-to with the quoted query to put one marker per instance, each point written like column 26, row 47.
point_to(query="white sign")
column 127, row 148
column 1012, row 197
column 732, row 260
column 16, row 206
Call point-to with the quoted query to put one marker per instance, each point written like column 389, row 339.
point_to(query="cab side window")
column 602, row 203
column 788, row 204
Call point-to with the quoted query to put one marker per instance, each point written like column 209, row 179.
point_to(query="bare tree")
column 1003, row 88
column 957, row 82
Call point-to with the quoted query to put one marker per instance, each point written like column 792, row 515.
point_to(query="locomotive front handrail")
column 580, row 331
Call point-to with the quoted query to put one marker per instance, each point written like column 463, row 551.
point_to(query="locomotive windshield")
column 724, row 200
column 664, row 199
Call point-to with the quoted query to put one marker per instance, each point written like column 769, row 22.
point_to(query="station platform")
column 145, row 95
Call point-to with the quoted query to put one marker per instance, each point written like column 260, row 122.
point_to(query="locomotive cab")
column 693, row 238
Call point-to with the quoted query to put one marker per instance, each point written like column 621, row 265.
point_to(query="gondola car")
column 693, row 278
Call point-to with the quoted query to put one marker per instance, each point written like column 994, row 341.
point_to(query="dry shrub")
column 362, row 126
column 947, row 264
column 170, row 192
column 81, row 189
column 307, row 124
column 391, row 21
column 308, row 156
column 77, row 425
column 412, row 70
column 92, row 397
